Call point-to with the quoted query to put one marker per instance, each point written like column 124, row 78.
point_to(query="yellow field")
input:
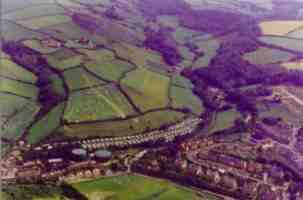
column 279, row 28
column 294, row 65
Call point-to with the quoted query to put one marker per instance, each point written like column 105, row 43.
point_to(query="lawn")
column 15, row 71
column 135, row 188
column 110, row 70
column 147, row 89
column 184, row 98
column 118, row 128
column 98, row 103
column 78, row 78
column 46, row 125
column 18, row 88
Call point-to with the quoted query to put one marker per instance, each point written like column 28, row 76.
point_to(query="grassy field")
column 18, row 88
column 44, row 21
column 296, row 34
column 110, row 70
column 128, row 187
column 14, row 71
column 99, row 56
column 182, row 82
column 65, row 63
column 288, row 43
column 36, row 45
column 96, row 104
column 184, row 98
column 15, row 125
column 15, row 113
column 225, row 120
column 46, row 125
column 118, row 128
column 143, row 85
column 136, row 188
column 141, row 57
column 267, row 55
column 78, row 78
column 31, row 192
column 34, row 11
column 209, row 49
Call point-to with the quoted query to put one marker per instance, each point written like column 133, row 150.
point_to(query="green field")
column 267, row 55
column 225, row 120
column 78, row 78
column 99, row 56
column 12, row 70
column 44, row 21
column 184, row 98
column 65, row 63
column 96, row 104
column 128, row 187
column 19, row 117
column 143, row 85
column 133, row 126
column 136, row 188
column 110, row 70
column 297, row 34
column 180, row 81
column 34, row 11
column 12, row 31
column 36, row 45
column 288, row 43
column 31, row 192
column 18, row 88
column 209, row 48
column 46, row 125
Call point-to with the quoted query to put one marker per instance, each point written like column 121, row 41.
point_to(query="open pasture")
column 110, row 70
column 78, row 78
column 123, row 127
column 265, row 55
column 133, row 187
column 18, row 88
column 143, row 85
column 98, row 103
column 46, row 125
column 184, row 98
column 12, row 70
